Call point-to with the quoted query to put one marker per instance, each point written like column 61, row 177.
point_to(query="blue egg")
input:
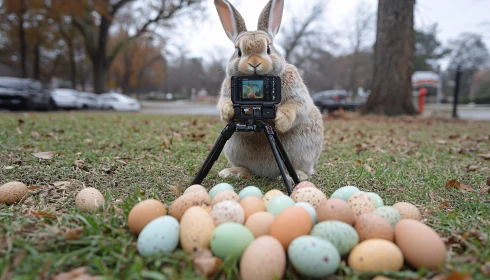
column 161, row 235
column 313, row 256
column 250, row 191
column 279, row 203
column 219, row 188
column 345, row 192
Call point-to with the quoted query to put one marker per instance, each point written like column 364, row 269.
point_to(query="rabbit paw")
column 301, row 176
column 234, row 172
column 226, row 111
column 282, row 122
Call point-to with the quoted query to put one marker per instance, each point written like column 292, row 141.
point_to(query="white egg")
column 159, row 236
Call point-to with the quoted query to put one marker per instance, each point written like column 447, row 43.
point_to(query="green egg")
column 345, row 192
column 279, row 203
column 378, row 201
column 389, row 213
column 219, row 188
column 342, row 235
column 230, row 240
column 250, row 191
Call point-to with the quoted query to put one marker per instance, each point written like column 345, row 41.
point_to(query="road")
column 202, row 108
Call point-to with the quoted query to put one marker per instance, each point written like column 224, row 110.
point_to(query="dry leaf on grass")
column 485, row 269
column 361, row 147
column 484, row 190
column 455, row 184
column 19, row 131
column 80, row 273
column 9, row 167
column 42, row 214
column 488, row 180
column 80, row 164
column 35, row 134
column 442, row 142
column 442, row 205
column 485, row 156
column 176, row 189
column 205, row 263
column 471, row 167
column 45, row 155
column 368, row 168
column 459, row 276
column 73, row 233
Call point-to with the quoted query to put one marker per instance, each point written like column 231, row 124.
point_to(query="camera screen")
column 253, row 89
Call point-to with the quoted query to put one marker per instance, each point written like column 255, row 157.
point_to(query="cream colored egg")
column 264, row 258
column 196, row 228
column 269, row 195
column 408, row 211
column 224, row 195
column 376, row 255
column 186, row 201
column 260, row 223
column 228, row 211
column 252, row 205
column 143, row 213
column 335, row 209
column 12, row 192
column 360, row 203
column 310, row 195
column 89, row 199
column 195, row 188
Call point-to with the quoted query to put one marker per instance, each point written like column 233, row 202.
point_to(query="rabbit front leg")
column 286, row 116
column 225, row 107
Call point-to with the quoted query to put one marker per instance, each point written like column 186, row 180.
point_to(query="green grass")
column 403, row 159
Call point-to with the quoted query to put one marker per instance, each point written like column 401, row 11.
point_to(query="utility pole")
column 456, row 91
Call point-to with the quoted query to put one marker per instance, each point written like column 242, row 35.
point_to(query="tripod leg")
column 225, row 135
column 270, row 136
column 286, row 160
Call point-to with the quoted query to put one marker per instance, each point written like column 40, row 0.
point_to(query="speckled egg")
column 342, row 235
column 420, row 244
column 89, row 199
column 227, row 211
column 224, row 195
column 264, row 258
column 313, row 256
column 311, row 195
column 269, row 195
column 143, row 213
column 375, row 255
column 219, row 188
column 252, row 205
column 388, row 213
column 378, row 201
column 309, row 208
column 196, row 228
column 371, row 226
column 250, row 191
column 304, row 184
column 186, row 201
column 12, row 192
column 344, row 193
column 335, row 209
column 278, row 203
column 289, row 224
column 260, row 223
column 408, row 211
column 195, row 188
column 159, row 236
column 361, row 203
column 230, row 240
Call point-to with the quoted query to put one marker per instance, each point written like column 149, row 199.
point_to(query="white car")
column 119, row 102
column 65, row 98
column 88, row 100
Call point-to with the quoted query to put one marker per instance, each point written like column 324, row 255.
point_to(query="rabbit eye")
column 268, row 49
column 239, row 52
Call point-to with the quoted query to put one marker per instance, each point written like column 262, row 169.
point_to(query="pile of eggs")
column 312, row 231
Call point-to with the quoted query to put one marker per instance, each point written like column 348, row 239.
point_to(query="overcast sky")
column 453, row 16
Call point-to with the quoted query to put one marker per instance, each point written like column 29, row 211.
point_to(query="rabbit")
column 298, row 121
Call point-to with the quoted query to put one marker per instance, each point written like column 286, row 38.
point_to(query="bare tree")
column 393, row 60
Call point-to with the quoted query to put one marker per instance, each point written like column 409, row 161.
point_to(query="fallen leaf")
column 51, row 135
column 45, row 155
column 80, row 164
column 42, row 214
column 484, row 190
column 458, row 276
column 488, row 180
column 73, row 233
column 32, row 187
column 485, row 156
column 471, row 167
column 27, row 147
column 88, row 141
column 62, row 185
column 20, row 121
column 442, row 142
column 368, row 168
column 35, row 134
column 455, row 184
column 19, row 131
column 454, row 136
column 442, row 205
column 485, row 269
column 205, row 264
column 80, row 273
column 9, row 167
column 361, row 147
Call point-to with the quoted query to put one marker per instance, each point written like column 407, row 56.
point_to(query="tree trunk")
column 37, row 62
column 100, row 72
column 73, row 65
column 393, row 62
column 99, row 59
column 22, row 40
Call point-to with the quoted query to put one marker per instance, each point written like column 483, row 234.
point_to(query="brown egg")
column 290, row 223
column 186, row 201
column 408, row 211
column 195, row 188
column 304, row 184
column 375, row 255
column 143, row 213
column 196, row 228
column 360, row 203
column 335, row 209
column 251, row 205
column 270, row 194
column 260, row 223
column 372, row 226
column 420, row 244
column 311, row 195
column 224, row 195
column 89, row 199
column 264, row 258
column 12, row 192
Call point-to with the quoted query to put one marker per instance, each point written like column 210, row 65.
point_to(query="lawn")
column 130, row 157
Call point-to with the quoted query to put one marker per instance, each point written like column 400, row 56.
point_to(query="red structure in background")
column 422, row 94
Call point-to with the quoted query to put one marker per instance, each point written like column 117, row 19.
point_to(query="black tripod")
column 251, row 126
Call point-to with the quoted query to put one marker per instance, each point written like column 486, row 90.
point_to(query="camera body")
column 255, row 97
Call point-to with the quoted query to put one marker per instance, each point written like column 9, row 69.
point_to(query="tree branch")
column 116, row 7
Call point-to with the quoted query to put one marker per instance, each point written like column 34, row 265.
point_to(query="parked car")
column 119, row 102
column 27, row 94
column 88, row 100
column 331, row 100
column 65, row 98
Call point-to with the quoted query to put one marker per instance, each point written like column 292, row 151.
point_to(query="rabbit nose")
column 255, row 66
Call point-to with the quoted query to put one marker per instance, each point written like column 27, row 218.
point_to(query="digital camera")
column 255, row 97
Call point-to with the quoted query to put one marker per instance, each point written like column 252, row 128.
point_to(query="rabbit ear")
column 271, row 16
column 231, row 19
